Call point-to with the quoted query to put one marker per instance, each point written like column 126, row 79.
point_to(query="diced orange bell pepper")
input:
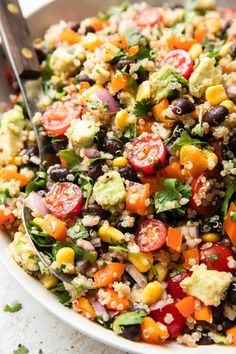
column 191, row 257
column 83, row 86
column 200, row 33
column 144, row 125
column 120, row 42
column 108, row 274
column 53, row 227
column 63, row 162
column 83, row 306
column 133, row 50
column 153, row 332
column 203, row 313
column 114, row 301
column 137, row 198
column 174, row 239
column 6, row 217
column 69, row 36
column 97, row 23
column 232, row 333
column 229, row 225
column 186, row 306
column 119, row 82
column 193, row 160
column 7, row 175
column 158, row 110
column 155, row 182
column 174, row 170
column 181, row 42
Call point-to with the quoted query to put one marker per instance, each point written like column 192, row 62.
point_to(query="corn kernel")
column 213, row 25
column 122, row 119
column 229, row 105
column 195, row 51
column 65, row 255
column 216, row 94
column 49, row 281
column 110, row 234
column 144, row 91
column 110, row 52
column 212, row 159
column 161, row 271
column 120, row 161
column 225, row 50
column 210, row 237
column 152, row 293
column 91, row 41
column 142, row 261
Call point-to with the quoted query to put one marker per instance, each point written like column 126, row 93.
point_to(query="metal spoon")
column 23, row 58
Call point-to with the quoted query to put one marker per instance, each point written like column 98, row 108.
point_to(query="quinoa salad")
column 138, row 106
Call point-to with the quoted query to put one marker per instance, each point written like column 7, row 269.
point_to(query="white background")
column 33, row 326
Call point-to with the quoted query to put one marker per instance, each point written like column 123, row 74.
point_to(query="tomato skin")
column 64, row 199
column 173, row 285
column 209, row 208
column 216, row 257
column 57, row 118
column 152, row 151
column 151, row 235
column 176, row 326
column 181, row 61
column 149, row 17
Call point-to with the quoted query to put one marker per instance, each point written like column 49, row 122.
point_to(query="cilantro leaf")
column 128, row 318
column 21, row 350
column 186, row 139
column 61, row 293
column 4, row 194
column 86, row 185
column 78, row 231
column 72, row 159
column 14, row 307
column 38, row 183
column 233, row 216
column 119, row 56
column 213, row 258
column 114, row 10
column 212, row 52
column 143, row 53
column 142, row 108
column 173, row 196
column 130, row 132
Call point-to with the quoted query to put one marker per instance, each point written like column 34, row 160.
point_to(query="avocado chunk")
column 11, row 141
column 109, row 190
column 67, row 60
column 204, row 76
column 202, row 5
column 166, row 83
column 207, row 285
column 82, row 133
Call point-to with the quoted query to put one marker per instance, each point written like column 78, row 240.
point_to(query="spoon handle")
column 16, row 40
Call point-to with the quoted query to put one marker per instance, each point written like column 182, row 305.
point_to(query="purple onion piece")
column 99, row 309
column 96, row 242
column 138, row 277
column 83, row 265
column 106, row 97
column 35, row 203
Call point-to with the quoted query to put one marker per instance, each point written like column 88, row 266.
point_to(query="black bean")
column 131, row 332
column 96, row 209
column 232, row 144
column 128, row 172
column 41, row 52
column 58, row 173
column 89, row 29
column 123, row 229
column 227, row 324
column 95, row 171
column 182, row 106
column 84, row 78
column 205, row 340
column 233, row 50
column 215, row 115
column 231, row 293
column 112, row 146
column 30, row 150
column 74, row 25
column 92, row 153
column 217, row 314
column 124, row 63
column 59, row 145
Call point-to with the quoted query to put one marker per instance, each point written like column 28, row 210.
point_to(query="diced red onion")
column 35, row 203
column 190, row 230
column 83, row 265
column 99, row 309
column 112, row 314
column 96, row 242
column 86, row 245
column 138, row 277
column 106, row 97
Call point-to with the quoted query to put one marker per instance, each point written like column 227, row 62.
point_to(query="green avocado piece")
column 127, row 319
column 204, row 76
column 82, row 133
column 166, row 83
column 109, row 190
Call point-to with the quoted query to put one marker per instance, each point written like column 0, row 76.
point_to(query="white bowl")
column 38, row 22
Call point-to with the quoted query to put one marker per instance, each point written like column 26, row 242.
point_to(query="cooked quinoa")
column 139, row 107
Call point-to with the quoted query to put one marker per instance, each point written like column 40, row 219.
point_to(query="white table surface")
column 33, row 326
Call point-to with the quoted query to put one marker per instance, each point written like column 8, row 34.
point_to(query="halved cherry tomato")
column 217, row 257
column 207, row 193
column 149, row 17
column 146, row 153
column 170, row 316
column 64, row 199
column 173, row 284
column 181, row 61
column 151, row 235
column 57, row 118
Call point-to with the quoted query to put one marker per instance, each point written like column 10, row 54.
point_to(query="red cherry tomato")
column 170, row 316
column 57, row 118
column 146, row 153
column 149, row 17
column 181, row 61
column 64, row 199
column 218, row 257
column 173, row 284
column 151, row 235
column 207, row 193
